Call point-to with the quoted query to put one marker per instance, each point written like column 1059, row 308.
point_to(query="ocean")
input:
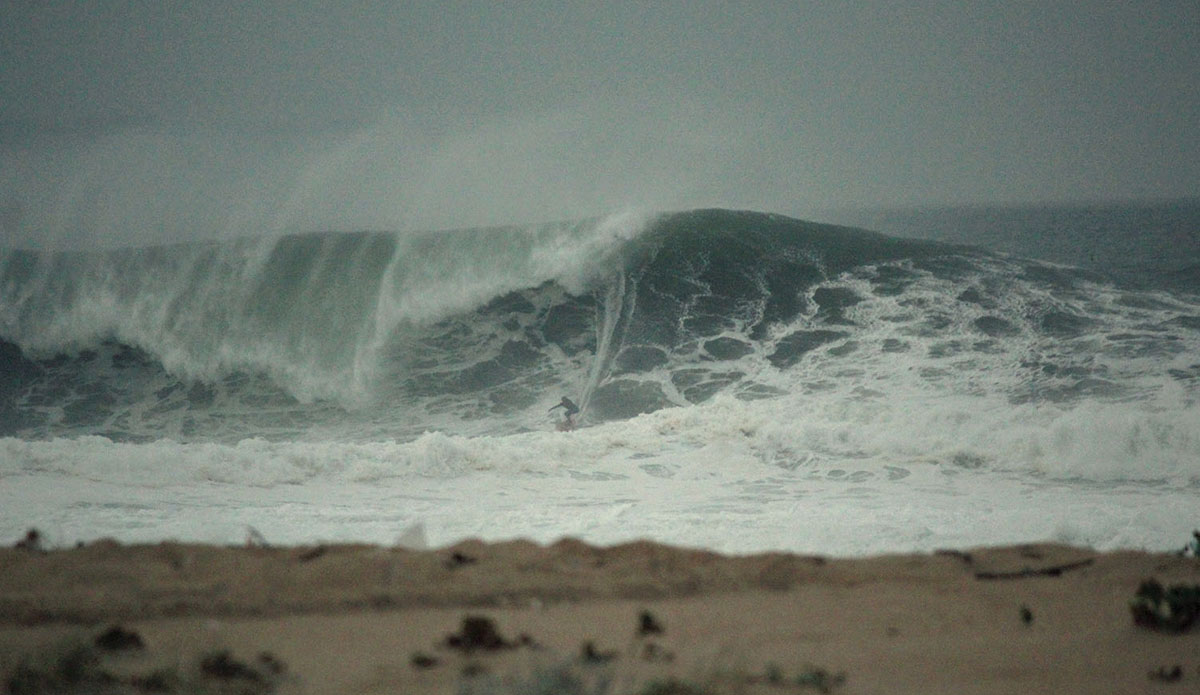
column 903, row 381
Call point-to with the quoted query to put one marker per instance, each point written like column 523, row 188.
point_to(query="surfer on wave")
column 570, row 410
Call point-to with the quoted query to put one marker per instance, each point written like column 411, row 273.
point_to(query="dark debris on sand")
column 82, row 669
column 262, row 677
column 221, row 665
column 458, row 559
column 32, row 542
column 77, row 669
column 1027, row 572
column 1167, row 609
column 310, row 554
column 648, row 625
column 589, row 654
column 1166, row 675
column 117, row 638
column 479, row 633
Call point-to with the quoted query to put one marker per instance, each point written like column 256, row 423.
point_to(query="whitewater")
column 749, row 381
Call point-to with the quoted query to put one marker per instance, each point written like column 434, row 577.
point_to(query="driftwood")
column 1052, row 571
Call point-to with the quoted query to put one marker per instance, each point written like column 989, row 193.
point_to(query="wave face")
column 362, row 337
column 471, row 324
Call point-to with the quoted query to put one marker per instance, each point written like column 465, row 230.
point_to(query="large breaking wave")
column 370, row 336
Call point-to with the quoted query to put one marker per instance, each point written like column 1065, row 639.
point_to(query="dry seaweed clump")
column 1169, row 609
column 78, row 669
column 673, row 686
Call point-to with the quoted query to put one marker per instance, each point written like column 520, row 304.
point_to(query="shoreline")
column 366, row 619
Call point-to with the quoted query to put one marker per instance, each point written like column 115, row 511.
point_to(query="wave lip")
column 311, row 311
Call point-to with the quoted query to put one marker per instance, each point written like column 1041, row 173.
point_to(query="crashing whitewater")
column 749, row 381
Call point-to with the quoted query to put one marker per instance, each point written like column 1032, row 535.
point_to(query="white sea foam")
column 866, row 477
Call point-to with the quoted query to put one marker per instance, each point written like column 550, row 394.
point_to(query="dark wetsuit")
column 571, row 410
column 569, row 406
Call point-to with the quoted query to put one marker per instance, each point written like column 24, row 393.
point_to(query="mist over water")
column 145, row 184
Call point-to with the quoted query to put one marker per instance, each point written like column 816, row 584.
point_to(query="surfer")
column 570, row 410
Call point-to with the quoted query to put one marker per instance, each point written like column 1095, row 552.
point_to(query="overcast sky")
column 410, row 114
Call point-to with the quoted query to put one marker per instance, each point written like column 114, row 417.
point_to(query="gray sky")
column 235, row 115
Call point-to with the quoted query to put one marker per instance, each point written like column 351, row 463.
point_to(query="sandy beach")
column 517, row 617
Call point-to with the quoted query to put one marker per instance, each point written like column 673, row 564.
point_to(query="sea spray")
column 312, row 311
